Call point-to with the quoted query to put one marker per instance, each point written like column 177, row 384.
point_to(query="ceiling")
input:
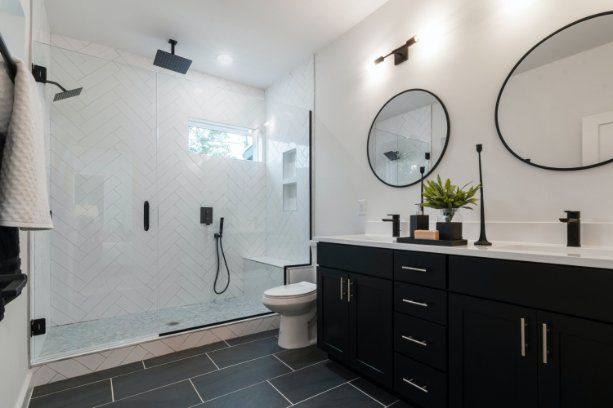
column 266, row 38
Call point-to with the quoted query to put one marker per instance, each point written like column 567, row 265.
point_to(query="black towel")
column 9, row 247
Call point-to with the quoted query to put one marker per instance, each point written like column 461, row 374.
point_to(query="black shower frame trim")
column 527, row 161
column 286, row 267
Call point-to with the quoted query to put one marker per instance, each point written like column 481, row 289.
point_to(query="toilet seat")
column 292, row 291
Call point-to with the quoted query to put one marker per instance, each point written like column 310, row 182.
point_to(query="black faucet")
column 395, row 224
column 573, row 228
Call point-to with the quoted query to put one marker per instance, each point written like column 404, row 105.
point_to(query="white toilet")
column 295, row 303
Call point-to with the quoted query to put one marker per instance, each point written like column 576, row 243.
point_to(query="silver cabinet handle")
column 413, row 340
column 419, row 387
column 545, row 341
column 412, row 268
column 348, row 290
column 413, row 302
column 522, row 334
column 341, row 296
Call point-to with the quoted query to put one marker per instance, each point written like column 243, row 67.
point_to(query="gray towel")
column 24, row 200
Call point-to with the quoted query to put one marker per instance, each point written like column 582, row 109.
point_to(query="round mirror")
column 410, row 131
column 555, row 109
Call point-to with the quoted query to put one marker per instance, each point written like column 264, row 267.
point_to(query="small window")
column 219, row 140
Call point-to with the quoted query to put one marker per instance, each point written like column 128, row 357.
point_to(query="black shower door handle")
column 146, row 216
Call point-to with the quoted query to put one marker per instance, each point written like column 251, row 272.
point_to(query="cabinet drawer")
column 425, row 303
column 377, row 262
column 424, row 341
column 419, row 383
column 421, row 268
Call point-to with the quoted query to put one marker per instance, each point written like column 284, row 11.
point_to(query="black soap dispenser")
column 419, row 221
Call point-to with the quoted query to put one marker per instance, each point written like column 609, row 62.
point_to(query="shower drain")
column 172, row 323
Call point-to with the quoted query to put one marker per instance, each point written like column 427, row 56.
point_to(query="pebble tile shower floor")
column 251, row 371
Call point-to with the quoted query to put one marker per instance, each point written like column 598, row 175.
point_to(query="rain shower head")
column 40, row 75
column 171, row 61
column 392, row 155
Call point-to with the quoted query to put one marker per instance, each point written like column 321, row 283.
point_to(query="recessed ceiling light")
column 224, row 59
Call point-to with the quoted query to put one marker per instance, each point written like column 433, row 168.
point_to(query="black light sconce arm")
column 401, row 54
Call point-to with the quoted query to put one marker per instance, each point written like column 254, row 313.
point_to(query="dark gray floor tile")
column 161, row 375
column 81, row 397
column 375, row 391
column 251, row 337
column 179, row 355
column 180, row 395
column 312, row 380
column 300, row 358
column 257, row 396
column 233, row 378
column 245, row 352
column 343, row 396
column 85, row 379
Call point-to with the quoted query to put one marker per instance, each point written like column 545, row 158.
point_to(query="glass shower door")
column 102, row 155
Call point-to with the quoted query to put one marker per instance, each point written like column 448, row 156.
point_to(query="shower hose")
column 218, row 246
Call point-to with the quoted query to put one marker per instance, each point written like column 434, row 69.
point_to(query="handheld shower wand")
column 219, row 245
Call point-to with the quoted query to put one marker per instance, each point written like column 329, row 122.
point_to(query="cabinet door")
column 332, row 313
column 575, row 362
column 492, row 354
column 371, row 316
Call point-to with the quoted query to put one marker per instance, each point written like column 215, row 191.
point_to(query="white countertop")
column 595, row 257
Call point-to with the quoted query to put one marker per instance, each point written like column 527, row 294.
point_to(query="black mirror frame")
column 527, row 161
column 442, row 152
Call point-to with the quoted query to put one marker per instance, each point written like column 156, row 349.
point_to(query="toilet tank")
column 301, row 274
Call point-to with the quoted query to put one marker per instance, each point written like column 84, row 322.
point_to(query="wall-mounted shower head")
column 65, row 94
column 40, row 75
column 171, row 61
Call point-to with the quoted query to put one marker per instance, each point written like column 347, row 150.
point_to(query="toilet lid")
column 293, row 290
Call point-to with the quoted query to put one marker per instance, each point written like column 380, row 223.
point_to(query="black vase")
column 449, row 231
column 418, row 222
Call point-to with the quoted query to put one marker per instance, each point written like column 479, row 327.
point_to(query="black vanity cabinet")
column 354, row 302
column 444, row 330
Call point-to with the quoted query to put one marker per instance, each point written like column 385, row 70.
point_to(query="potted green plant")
column 448, row 198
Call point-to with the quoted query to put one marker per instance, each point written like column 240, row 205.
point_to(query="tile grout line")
column 214, row 363
column 300, row 369
column 276, row 389
column 112, row 390
column 146, row 391
column 143, row 363
column 195, row 389
column 283, row 362
column 365, row 393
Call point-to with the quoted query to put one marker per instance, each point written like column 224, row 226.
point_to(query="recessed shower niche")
column 99, row 279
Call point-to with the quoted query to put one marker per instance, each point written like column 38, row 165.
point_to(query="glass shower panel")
column 235, row 188
column 102, row 168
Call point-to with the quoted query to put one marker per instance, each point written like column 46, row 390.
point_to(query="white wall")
column 14, row 367
column 466, row 49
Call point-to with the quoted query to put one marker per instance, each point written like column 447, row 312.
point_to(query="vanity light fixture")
column 401, row 54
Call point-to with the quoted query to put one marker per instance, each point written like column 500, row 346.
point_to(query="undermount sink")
column 556, row 249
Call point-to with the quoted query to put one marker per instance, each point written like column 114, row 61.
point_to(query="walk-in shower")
column 138, row 134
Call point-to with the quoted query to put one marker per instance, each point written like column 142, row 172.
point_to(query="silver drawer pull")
column 412, row 268
column 419, row 387
column 411, row 339
column 413, row 302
